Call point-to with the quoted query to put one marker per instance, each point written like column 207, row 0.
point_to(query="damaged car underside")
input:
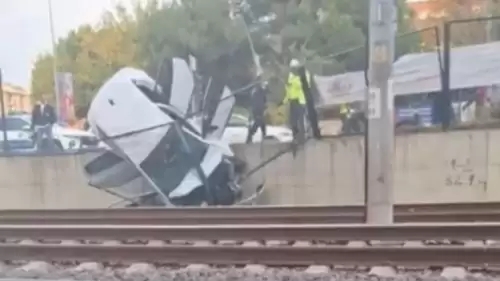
column 160, row 152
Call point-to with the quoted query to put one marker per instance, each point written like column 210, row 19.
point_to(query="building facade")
column 16, row 99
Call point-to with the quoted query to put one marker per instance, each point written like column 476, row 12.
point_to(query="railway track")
column 284, row 256
column 456, row 212
column 306, row 232
column 251, row 243
column 331, row 248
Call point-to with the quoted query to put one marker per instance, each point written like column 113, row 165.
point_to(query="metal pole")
column 380, row 101
column 488, row 12
column 55, row 60
column 197, row 85
column 255, row 56
column 444, row 99
column 5, row 143
column 312, row 115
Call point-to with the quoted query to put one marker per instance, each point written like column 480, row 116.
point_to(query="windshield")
column 13, row 124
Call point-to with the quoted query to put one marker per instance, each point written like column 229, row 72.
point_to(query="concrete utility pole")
column 380, row 112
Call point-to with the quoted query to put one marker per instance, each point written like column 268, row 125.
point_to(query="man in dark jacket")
column 258, row 101
column 43, row 117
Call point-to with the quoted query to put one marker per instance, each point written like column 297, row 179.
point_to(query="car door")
column 17, row 135
column 236, row 130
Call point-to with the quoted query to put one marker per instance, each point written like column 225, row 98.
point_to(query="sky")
column 25, row 30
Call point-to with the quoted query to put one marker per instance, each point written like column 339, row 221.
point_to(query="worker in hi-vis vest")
column 296, row 101
column 344, row 114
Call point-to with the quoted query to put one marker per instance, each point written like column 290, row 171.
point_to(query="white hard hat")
column 294, row 63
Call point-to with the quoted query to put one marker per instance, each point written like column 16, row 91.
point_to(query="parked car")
column 237, row 131
column 20, row 136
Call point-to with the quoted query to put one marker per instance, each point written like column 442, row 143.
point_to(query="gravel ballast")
column 145, row 272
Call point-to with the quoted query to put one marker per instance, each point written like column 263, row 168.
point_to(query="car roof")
column 16, row 117
column 23, row 117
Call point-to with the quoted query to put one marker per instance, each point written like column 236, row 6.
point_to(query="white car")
column 175, row 160
column 237, row 131
column 19, row 135
column 18, row 138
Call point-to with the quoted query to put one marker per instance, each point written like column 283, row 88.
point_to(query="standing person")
column 296, row 100
column 344, row 117
column 43, row 117
column 259, row 101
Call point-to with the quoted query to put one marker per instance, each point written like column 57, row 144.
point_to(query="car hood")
column 69, row 132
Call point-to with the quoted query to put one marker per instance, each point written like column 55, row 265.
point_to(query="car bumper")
column 70, row 143
column 19, row 145
column 89, row 142
column 284, row 138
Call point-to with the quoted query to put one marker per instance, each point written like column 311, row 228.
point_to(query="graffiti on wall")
column 463, row 173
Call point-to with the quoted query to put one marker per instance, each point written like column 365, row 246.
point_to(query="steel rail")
column 484, row 212
column 242, row 210
column 291, row 218
column 272, row 256
column 311, row 232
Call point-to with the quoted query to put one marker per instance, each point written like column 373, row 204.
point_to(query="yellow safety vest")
column 343, row 109
column 294, row 89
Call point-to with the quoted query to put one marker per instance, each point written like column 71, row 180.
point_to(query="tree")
column 42, row 78
column 359, row 12
column 203, row 29
column 310, row 30
column 91, row 54
column 436, row 12
column 197, row 27
column 103, row 51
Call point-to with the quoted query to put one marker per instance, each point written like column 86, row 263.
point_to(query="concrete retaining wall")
column 36, row 182
column 430, row 167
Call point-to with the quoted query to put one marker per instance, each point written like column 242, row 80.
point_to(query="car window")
column 237, row 121
column 13, row 124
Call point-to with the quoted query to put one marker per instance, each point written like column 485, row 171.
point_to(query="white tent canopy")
column 471, row 66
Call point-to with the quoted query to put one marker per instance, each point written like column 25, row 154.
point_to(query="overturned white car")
column 160, row 153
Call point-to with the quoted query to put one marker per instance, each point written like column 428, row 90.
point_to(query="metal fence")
column 471, row 68
column 348, row 86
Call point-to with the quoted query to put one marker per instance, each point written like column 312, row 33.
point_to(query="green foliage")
column 42, row 77
column 359, row 13
column 202, row 28
column 280, row 30
column 91, row 54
